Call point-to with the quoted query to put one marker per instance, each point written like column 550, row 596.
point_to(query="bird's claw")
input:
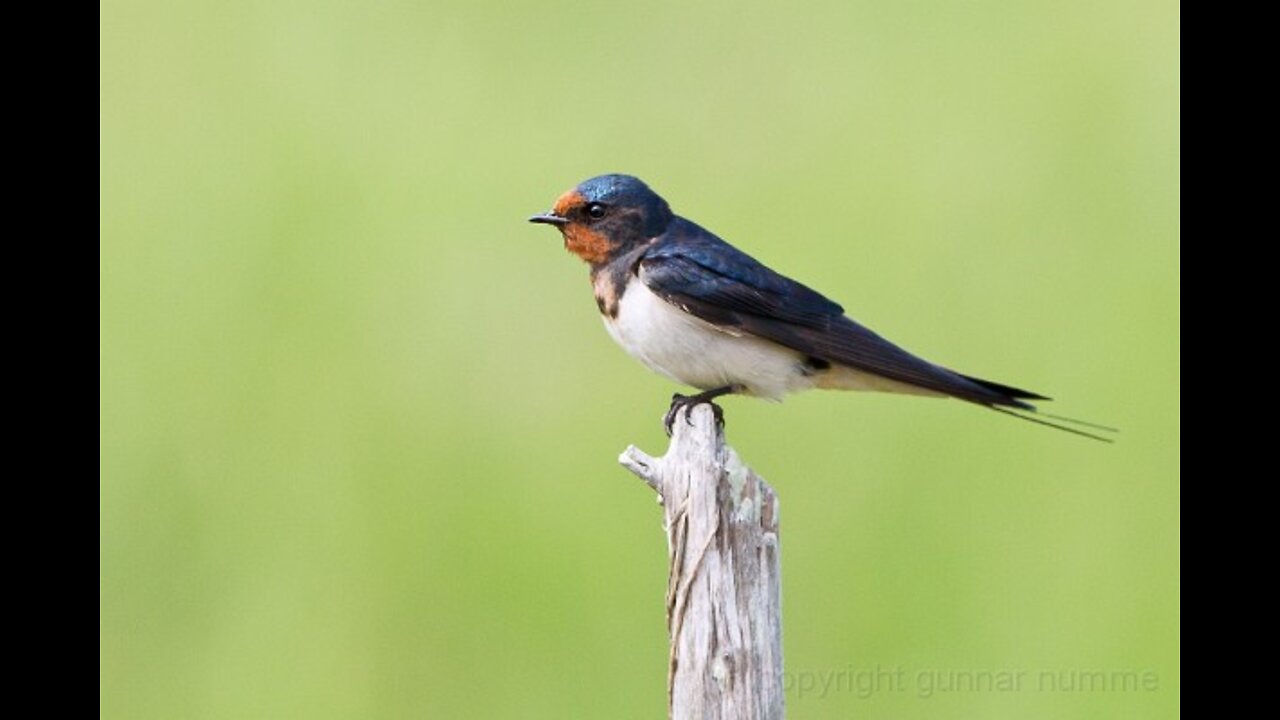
column 686, row 403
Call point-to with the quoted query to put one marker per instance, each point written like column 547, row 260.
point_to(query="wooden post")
column 724, row 620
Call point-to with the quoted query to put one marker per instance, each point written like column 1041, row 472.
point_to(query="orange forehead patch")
column 567, row 202
column 579, row 239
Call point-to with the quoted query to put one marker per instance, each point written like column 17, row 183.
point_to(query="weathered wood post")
column 724, row 618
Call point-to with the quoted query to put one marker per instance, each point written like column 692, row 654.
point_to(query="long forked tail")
column 1061, row 424
column 1016, row 407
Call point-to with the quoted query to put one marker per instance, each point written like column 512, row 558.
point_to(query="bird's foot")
column 685, row 403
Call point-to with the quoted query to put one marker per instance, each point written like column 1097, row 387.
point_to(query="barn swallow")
column 694, row 308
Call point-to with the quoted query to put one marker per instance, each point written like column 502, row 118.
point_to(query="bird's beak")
column 549, row 218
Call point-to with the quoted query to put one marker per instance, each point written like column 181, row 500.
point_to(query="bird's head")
column 606, row 216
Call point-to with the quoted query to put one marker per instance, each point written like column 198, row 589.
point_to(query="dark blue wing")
column 700, row 266
column 700, row 273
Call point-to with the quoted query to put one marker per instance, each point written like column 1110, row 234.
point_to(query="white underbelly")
column 694, row 352
column 697, row 353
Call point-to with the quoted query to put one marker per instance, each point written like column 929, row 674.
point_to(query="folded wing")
column 716, row 282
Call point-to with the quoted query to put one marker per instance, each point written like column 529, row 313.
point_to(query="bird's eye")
column 595, row 211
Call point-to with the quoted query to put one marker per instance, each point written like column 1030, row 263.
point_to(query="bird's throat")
column 591, row 246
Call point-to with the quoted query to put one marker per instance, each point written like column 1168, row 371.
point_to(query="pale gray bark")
column 724, row 620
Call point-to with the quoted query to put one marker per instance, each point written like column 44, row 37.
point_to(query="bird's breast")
column 608, row 288
column 690, row 350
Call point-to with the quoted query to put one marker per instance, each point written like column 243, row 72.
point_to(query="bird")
column 692, row 307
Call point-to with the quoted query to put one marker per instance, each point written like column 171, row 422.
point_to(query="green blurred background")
column 359, row 421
